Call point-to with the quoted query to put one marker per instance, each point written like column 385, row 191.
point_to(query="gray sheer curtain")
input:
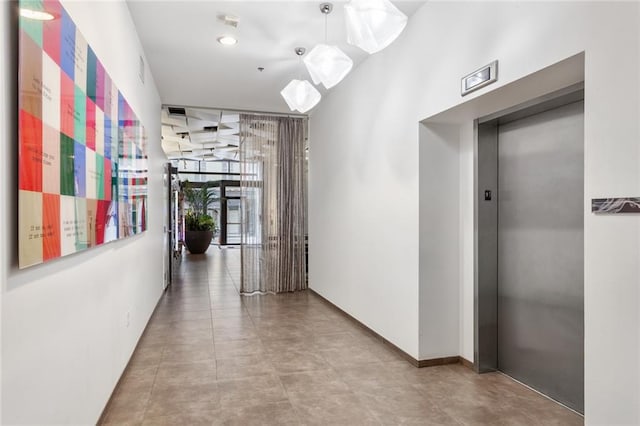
column 273, row 185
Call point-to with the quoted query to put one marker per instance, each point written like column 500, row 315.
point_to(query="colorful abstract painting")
column 82, row 150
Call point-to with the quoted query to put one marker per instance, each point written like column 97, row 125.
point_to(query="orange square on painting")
column 50, row 226
column 107, row 179
column 67, row 105
column 30, row 152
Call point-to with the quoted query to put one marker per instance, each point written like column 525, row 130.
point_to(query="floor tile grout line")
column 155, row 375
column 213, row 332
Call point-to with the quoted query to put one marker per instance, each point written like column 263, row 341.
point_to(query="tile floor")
column 212, row 357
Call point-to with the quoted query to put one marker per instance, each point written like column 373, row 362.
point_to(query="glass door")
column 233, row 221
column 230, row 217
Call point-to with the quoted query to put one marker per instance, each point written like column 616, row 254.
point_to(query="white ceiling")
column 191, row 68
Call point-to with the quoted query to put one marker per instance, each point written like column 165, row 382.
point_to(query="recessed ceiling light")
column 38, row 15
column 227, row 40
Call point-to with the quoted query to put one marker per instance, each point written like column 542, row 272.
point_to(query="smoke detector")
column 229, row 20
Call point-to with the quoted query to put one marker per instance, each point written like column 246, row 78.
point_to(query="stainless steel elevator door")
column 541, row 254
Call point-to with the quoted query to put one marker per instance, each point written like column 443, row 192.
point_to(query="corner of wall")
column 439, row 264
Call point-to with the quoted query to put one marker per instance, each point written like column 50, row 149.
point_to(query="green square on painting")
column 31, row 26
column 134, row 216
column 100, row 180
column 80, row 116
column 114, row 181
column 81, row 237
column 67, row 180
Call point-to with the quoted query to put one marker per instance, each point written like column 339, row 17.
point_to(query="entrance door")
column 171, row 222
column 540, row 261
column 229, row 212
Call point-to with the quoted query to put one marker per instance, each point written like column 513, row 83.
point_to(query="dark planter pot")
column 197, row 242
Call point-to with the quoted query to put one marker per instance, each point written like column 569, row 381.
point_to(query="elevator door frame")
column 486, row 219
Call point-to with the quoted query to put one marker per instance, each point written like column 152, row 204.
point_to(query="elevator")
column 529, row 320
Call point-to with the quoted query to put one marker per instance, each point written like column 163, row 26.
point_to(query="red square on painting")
column 50, row 226
column 51, row 30
column 91, row 124
column 67, row 105
column 143, row 213
column 102, row 212
column 30, row 153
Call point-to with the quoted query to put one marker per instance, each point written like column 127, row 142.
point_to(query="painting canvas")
column 82, row 150
column 616, row 205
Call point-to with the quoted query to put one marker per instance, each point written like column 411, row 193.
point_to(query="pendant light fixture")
column 327, row 64
column 372, row 25
column 300, row 94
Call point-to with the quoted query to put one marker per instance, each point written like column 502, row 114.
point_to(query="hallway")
column 210, row 357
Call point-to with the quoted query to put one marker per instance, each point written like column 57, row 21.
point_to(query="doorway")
column 171, row 252
column 229, row 211
column 530, row 246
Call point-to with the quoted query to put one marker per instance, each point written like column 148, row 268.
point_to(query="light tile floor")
column 212, row 357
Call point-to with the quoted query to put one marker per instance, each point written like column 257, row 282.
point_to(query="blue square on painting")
column 124, row 188
column 107, row 137
column 80, row 170
column 121, row 109
column 67, row 45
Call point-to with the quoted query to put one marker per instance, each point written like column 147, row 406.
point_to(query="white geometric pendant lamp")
column 372, row 25
column 300, row 94
column 327, row 64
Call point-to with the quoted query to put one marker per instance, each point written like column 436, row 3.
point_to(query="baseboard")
column 413, row 361
column 467, row 363
column 438, row 361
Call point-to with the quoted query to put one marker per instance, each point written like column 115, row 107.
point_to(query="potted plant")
column 199, row 225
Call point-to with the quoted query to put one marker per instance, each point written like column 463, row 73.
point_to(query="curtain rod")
column 241, row 111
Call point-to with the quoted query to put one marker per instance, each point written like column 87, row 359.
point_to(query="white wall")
column 65, row 340
column 363, row 204
column 364, row 173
